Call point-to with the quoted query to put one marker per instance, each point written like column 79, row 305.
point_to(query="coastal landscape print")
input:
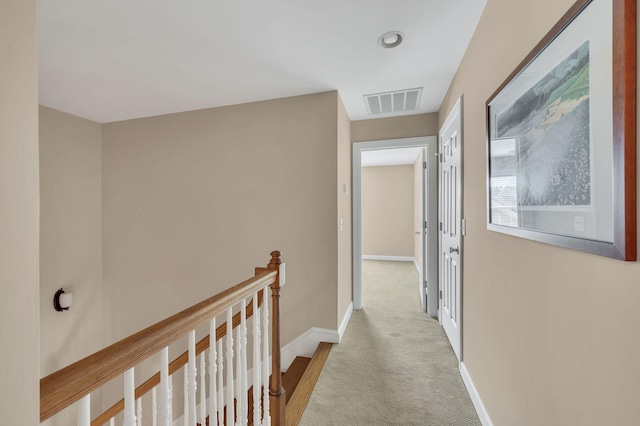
column 550, row 122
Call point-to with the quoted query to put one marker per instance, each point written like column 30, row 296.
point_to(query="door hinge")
column 440, row 294
column 425, row 224
column 440, row 226
column 424, row 165
column 425, row 284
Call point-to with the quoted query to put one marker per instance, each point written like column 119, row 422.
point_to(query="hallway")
column 394, row 365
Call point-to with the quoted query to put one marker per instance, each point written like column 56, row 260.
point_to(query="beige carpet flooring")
column 394, row 366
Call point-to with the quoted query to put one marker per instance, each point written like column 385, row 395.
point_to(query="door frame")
column 430, row 143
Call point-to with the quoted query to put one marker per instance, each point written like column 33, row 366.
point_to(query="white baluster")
column 266, row 365
column 154, row 406
column 239, row 408
column 230, row 394
column 171, row 400
column 220, row 383
column 193, row 383
column 213, row 370
column 257, row 394
column 185, row 385
column 112, row 421
column 165, row 389
column 244, row 386
column 84, row 411
column 129, row 398
column 203, row 390
column 139, row 412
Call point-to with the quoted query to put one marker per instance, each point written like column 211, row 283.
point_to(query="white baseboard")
column 475, row 397
column 392, row 258
column 307, row 343
column 345, row 322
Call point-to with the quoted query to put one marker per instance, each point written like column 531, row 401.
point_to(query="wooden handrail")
column 175, row 365
column 66, row 386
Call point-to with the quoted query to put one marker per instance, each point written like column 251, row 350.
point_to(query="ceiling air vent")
column 393, row 102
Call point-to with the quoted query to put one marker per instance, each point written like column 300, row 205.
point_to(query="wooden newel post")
column 276, row 391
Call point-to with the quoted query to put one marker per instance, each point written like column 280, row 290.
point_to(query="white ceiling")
column 389, row 157
column 120, row 59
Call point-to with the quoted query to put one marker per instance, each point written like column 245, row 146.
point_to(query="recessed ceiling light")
column 390, row 39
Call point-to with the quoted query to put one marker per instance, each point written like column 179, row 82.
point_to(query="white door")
column 450, row 144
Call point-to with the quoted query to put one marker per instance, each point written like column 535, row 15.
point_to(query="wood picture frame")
column 561, row 135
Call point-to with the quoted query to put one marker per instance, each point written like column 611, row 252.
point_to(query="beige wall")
column 408, row 126
column 19, row 211
column 345, row 287
column 387, row 211
column 550, row 335
column 70, row 242
column 70, row 237
column 193, row 201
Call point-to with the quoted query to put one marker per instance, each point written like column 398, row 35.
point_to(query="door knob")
column 454, row 250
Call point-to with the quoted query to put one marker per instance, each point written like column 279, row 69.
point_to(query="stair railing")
column 227, row 404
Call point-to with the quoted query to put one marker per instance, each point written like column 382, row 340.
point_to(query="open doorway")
column 412, row 237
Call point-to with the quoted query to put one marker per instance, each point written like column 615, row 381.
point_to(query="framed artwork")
column 561, row 135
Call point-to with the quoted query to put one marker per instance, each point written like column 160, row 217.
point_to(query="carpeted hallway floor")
column 394, row 366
